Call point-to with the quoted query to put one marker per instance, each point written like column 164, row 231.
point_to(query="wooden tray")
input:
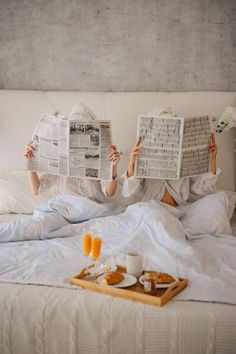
column 134, row 292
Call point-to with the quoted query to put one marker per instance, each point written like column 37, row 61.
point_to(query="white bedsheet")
column 208, row 262
column 11, row 217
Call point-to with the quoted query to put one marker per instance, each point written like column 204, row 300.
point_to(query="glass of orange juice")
column 96, row 247
column 87, row 244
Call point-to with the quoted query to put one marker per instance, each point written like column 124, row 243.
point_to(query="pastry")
column 151, row 273
column 165, row 278
column 112, row 278
column 160, row 277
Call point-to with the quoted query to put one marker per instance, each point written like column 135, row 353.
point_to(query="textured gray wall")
column 118, row 45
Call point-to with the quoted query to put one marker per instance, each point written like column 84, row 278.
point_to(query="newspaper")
column 173, row 147
column 72, row 148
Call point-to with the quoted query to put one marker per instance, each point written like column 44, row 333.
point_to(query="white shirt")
column 154, row 189
column 94, row 190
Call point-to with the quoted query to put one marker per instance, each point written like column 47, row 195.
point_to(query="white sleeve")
column 104, row 184
column 205, row 183
column 130, row 185
column 103, row 187
column 46, row 181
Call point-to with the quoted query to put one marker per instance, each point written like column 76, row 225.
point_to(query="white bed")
column 53, row 319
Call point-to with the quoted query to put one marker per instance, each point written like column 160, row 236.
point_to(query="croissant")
column 160, row 277
column 112, row 278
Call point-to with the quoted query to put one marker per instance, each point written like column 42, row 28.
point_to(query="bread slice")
column 112, row 278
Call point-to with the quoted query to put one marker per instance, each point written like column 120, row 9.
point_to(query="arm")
column 34, row 182
column 33, row 177
column 131, row 184
column 114, row 157
column 213, row 152
column 133, row 154
column 206, row 183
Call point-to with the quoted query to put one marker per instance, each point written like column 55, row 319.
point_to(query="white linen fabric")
column 145, row 189
column 207, row 215
column 76, row 209
column 162, row 111
column 82, row 112
column 208, row 262
column 60, row 211
column 15, row 194
column 95, row 190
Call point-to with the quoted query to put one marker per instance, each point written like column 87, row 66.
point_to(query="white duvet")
column 163, row 234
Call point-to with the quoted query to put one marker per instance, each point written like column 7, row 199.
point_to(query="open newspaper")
column 72, row 148
column 173, row 147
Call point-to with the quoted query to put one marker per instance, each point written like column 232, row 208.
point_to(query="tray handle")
column 172, row 287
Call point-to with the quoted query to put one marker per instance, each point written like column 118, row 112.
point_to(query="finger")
column 30, row 147
column 138, row 148
column 213, row 139
column 114, row 158
column 136, row 153
column 114, row 154
column 112, row 146
column 138, row 141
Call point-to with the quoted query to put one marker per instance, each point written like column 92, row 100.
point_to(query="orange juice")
column 87, row 242
column 96, row 247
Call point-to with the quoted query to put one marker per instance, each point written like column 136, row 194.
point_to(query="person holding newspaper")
column 98, row 191
column 172, row 192
column 76, row 200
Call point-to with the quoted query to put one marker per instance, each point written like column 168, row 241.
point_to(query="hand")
column 135, row 151
column 29, row 150
column 114, row 156
column 133, row 154
column 213, row 147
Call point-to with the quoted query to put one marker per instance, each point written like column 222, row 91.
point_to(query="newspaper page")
column 72, row 148
column 50, row 141
column 161, row 141
column 173, row 147
column 89, row 149
column 195, row 146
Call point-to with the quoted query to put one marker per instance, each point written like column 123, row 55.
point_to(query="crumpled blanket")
column 60, row 211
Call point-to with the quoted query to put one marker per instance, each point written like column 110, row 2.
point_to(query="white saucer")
column 158, row 285
column 127, row 281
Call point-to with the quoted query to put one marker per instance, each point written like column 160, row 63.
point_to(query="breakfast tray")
column 134, row 292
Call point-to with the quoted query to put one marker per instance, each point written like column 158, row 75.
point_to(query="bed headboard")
column 20, row 110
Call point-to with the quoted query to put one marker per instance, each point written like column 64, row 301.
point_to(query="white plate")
column 103, row 268
column 159, row 285
column 127, row 281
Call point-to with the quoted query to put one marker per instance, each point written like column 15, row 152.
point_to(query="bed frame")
column 20, row 110
column 31, row 317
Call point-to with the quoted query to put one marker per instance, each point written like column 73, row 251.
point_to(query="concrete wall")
column 118, row 45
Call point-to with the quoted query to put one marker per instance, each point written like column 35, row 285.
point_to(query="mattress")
column 39, row 319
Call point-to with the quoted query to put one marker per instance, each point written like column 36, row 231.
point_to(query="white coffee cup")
column 134, row 264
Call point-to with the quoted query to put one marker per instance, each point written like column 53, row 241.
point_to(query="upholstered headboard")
column 20, row 110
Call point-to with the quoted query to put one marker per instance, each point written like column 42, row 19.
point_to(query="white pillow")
column 209, row 215
column 231, row 200
column 16, row 196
